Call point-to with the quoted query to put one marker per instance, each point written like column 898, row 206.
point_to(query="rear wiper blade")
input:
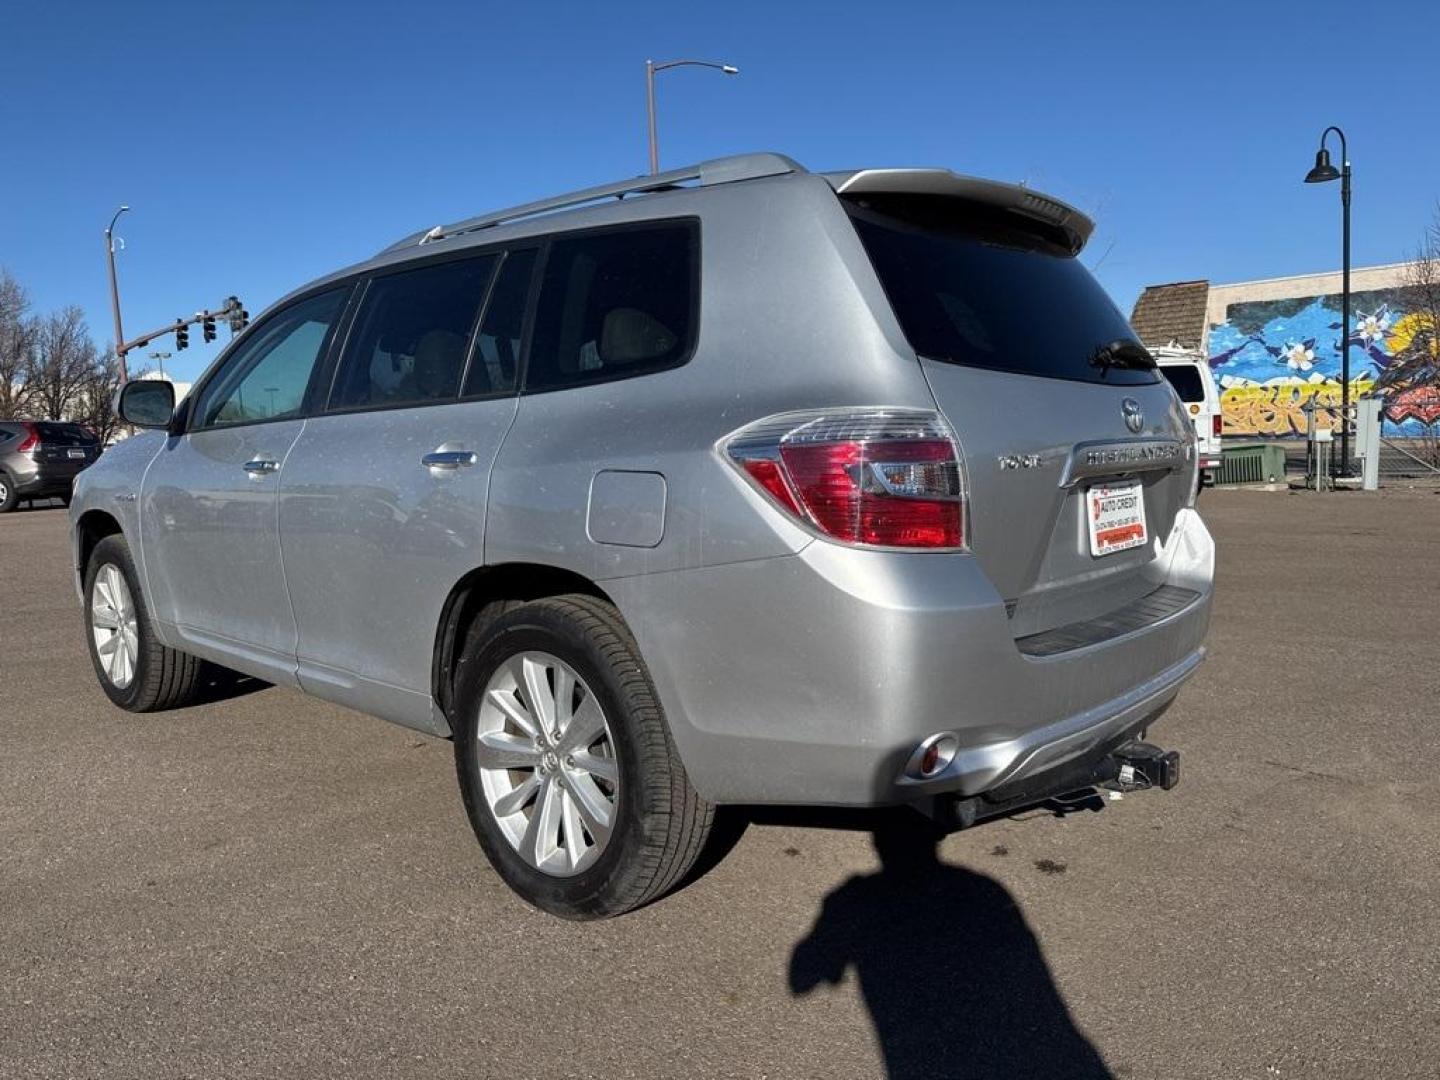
column 1122, row 354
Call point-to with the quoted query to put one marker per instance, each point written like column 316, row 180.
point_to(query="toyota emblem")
column 1134, row 417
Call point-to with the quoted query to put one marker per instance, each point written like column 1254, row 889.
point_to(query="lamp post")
column 651, row 69
column 1321, row 173
column 115, row 291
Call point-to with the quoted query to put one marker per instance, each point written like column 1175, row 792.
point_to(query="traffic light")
column 236, row 315
column 182, row 336
column 207, row 328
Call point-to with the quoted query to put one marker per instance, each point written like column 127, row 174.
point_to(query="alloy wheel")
column 114, row 626
column 547, row 763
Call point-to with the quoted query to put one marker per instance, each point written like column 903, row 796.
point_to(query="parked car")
column 1194, row 383
column 780, row 487
column 39, row 459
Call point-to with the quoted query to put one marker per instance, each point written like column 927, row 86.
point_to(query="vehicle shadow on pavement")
column 221, row 684
column 950, row 972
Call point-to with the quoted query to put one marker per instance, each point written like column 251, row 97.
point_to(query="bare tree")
column 94, row 403
column 63, row 358
column 1413, row 379
column 16, row 331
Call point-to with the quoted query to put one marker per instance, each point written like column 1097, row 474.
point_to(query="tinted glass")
column 614, row 304
column 54, row 434
column 265, row 378
column 988, row 289
column 1186, row 381
column 411, row 334
column 495, row 362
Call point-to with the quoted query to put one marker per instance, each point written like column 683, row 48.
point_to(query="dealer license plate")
column 1116, row 513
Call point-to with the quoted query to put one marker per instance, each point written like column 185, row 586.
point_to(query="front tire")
column 135, row 670
column 566, row 766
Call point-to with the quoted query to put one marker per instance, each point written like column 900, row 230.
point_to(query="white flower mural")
column 1298, row 355
column 1374, row 327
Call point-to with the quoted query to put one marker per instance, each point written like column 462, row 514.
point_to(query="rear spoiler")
column 1075, row 226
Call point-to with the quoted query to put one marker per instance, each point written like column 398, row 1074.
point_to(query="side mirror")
column 146, row 403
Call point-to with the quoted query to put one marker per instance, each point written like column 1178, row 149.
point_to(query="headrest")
column 630, row 337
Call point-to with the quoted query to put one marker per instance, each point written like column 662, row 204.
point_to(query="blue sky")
column 262, row 144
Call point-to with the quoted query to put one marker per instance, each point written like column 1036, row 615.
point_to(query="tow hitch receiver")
column 1141, row 765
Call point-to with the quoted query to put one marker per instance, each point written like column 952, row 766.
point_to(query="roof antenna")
column 437, row 233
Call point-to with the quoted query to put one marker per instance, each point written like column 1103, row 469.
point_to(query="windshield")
column 990, row 289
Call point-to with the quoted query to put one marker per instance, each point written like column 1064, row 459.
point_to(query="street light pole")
column 115, row 292
column 651, row 69
column 1322, row 172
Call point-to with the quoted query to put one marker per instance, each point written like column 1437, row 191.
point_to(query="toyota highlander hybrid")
column 734, row 484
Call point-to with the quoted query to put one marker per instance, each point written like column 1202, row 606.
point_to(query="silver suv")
column 735, row 484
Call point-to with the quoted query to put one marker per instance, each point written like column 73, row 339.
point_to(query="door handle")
column 260, row 467
column 449, row 460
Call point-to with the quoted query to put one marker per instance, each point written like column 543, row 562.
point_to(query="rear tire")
column 9, row 499
column 135, row 670
column 651, row 824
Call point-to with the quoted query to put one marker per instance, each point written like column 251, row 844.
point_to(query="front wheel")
column 135, row 670
column 566, row 765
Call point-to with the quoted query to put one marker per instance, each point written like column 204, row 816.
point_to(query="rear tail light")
column 31, row 442
column 889, row 478
column 1216, row 423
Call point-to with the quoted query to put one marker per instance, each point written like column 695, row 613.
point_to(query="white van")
column 1189, row 373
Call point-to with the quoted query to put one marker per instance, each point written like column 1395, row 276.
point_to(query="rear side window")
column 1186, row 381
column 411, row 336
column 615, row 304
column 986, row 289
column 495, row 361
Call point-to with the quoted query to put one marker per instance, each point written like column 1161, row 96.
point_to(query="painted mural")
column 1271, row 357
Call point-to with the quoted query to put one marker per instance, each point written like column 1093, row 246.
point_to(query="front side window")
column 615, row 304
column 266, row 376
column 411, row 335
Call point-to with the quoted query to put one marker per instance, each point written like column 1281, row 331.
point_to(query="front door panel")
column 211, row 542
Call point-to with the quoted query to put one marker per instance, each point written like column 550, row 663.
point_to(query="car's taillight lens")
column 1216, row 423
column 31, row 442
column 877, row 477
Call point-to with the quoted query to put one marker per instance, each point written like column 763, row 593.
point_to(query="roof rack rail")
column 717, row 171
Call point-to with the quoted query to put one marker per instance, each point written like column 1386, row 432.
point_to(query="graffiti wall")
column 1271, row 357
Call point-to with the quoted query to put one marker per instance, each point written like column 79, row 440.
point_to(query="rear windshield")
column 1185, row 378
column 56, row 434
column 988, row 289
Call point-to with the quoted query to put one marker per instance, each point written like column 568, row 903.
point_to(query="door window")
column 411, row 336
column 496, row 359
column 615, row 304
column 267, row 375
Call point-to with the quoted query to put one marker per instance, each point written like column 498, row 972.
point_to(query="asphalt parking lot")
column 271, row 886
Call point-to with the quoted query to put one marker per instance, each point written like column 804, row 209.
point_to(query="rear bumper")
column 813, row 678
column 46, row 480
